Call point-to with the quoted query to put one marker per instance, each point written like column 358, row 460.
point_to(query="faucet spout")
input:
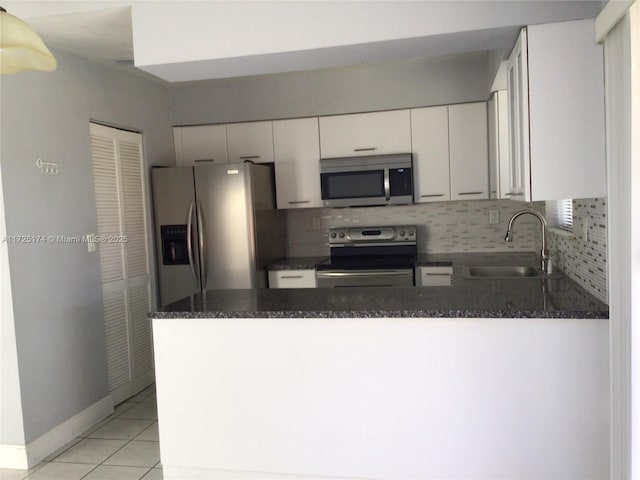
column 544, row 253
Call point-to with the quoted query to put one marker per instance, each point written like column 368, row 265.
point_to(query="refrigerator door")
column 224, row 201
column 176, row 235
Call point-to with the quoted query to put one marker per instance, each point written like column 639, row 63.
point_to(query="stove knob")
column 333, row 235
column 402, row 233
column 341, row 234
column 411, row 233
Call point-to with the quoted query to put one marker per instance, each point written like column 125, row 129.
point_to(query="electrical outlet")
column 91, row 243
column 494, row 217
column 315, row 224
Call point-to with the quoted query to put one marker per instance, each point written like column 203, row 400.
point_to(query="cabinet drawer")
column 434, row 276
column 292, row 279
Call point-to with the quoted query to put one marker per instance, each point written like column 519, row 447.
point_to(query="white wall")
column 57, row 296
column 410, row 83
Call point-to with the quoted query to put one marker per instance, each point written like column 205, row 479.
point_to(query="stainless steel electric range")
column 370, row 257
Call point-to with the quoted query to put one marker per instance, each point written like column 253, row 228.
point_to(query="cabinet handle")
column 297, row 202
column 437, row 274
column 204, row 160
column 432, row 195
column 249, row 157
column 511, row 194
column 291, row 276
column 470, row 193
column 365, row 149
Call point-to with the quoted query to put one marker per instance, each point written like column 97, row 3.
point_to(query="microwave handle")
column 387, row 185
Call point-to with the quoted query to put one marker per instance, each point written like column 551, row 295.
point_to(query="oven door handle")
column 387, row 185
column 367, row 273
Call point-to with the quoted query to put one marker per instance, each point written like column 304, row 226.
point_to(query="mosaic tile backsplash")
column 584, row 259
column 443, row 227
column 463, row 226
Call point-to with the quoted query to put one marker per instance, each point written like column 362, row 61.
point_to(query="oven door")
column 402, row 277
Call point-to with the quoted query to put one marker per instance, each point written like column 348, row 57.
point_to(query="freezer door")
column 224, row 202
column 177, row 251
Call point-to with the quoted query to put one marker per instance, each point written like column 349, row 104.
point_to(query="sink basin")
column 501, row 271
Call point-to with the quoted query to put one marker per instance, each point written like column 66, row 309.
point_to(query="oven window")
column 400, row 182
column 358, row 184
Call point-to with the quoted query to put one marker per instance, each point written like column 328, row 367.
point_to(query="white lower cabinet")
column 292, row 278
column 468, row 151
column 297, row 163
column 437, row 276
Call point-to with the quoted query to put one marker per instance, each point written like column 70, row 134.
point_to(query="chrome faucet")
column 544, row 253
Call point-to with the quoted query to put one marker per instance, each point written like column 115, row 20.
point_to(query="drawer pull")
column 432, row 195
column 249, row 157
column 202, row 160
column 298, row 202
column 511, row 194
column 437, row 274
column 470, row 193
column 365, row 149
column 291, row 276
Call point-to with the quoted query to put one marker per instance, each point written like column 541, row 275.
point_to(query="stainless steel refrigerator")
column 216, row 227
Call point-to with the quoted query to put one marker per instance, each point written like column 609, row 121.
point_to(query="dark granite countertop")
column 467, row 298
column 297, row 263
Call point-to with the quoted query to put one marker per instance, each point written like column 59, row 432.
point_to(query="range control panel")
column 405, row 234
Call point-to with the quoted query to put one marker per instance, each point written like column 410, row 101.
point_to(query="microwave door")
column 354, row 188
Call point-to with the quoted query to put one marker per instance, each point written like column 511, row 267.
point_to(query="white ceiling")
column 102, row 31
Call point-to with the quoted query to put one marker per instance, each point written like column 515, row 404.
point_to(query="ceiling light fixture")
column 21, row 48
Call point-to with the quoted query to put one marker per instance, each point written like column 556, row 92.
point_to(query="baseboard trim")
column 180, row 473
column 13, row 456
column 25, row 457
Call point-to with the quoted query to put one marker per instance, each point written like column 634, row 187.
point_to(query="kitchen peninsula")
column 492, row 378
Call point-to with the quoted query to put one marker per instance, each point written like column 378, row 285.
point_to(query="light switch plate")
column 494, row 217
column 315, row 224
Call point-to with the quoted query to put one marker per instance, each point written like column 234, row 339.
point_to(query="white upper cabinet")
column 200, row 145
column 430, row 148
column 557, row 130
column 250, row 141
column 297, row 163
column 498, row 128
column 468, row 154
column 359, row 134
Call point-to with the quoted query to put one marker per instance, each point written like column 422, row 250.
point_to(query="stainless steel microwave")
column 367, row 181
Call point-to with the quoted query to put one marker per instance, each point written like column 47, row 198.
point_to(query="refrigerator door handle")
column 189, row 244
column 203, row 255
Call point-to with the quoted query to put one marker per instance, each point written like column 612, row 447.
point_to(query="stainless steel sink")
column 501, row 271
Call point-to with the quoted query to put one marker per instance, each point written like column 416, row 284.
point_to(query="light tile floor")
column 124, row 446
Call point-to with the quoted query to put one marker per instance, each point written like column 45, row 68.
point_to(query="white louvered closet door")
column 118, row 173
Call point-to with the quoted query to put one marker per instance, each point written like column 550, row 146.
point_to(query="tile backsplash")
column 463, row 226
column 584, row 259
column 443, row 227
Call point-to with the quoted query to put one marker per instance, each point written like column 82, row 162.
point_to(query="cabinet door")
column 376, row 133
column 297, row 163
column 200, row 145
column 468, row 154
column 566, row 111
column 292, row 279
column 499, row 161
column 518, row 99
column 250, row 141
column 430, row 148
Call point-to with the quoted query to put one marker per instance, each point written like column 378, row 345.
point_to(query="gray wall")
column 414, row 83
column 57, row 295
